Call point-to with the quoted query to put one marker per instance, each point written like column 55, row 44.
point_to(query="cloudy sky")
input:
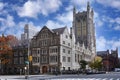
column 14, row 14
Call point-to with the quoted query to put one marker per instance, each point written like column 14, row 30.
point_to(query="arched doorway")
column 44, row 69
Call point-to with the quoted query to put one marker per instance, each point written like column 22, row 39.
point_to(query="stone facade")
column 20, row 56
column 45, row 51
column 56, row 49
column 59, row 49
column 84, row 29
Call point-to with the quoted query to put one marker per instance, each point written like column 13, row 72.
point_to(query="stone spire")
column 88, row 6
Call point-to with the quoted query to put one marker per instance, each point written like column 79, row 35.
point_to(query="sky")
column 14, row 14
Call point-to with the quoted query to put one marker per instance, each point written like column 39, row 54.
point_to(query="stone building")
column 20, row 57
column 59, row 49
column 56, row 49
column 84, row 28
column 45, row 50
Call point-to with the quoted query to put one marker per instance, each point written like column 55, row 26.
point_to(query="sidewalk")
column 19, row 77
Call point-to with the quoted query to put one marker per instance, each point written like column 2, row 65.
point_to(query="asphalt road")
column 108, row 76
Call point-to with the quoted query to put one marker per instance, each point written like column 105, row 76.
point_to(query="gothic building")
column 84, row 28
column 56, row 49
column 59, row 49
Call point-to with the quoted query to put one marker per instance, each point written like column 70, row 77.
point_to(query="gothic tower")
column 84, row 28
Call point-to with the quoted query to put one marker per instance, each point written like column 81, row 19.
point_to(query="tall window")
column 68, row 51
column 75, row 58
column 35, row 59
column 21, row 53
column 63, row 50
column 63, row 42
column 68, row 59
column 44, row 59
column 43, row 51
column 53, row 58
column 68, row 44
column 64, row 59
column 15, row 60
column 21, row 60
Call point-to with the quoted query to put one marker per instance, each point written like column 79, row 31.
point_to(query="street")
column 108, row 76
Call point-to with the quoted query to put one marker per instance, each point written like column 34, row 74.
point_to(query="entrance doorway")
column 44, row 69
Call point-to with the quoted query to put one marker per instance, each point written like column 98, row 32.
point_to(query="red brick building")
column 109, row 59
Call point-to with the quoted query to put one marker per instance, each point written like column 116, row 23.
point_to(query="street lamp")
column 25, row 72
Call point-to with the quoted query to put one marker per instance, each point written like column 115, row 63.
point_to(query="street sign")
column 26, row 62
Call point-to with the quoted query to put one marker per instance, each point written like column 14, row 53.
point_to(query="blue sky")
column 14, row 14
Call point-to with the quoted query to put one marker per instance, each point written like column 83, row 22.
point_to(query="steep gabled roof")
column 59, row 30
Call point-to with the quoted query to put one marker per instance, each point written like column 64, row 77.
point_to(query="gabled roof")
column 59, row 30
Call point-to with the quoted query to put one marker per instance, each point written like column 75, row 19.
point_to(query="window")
column 53, row 58
column 68, row 59
column 15, row 60
column 68, row 44
column 78, row 58
column 68, row 68
column 75, row 58
column 21, row 60
column 63, row 42
column 43, row 51
column 68, row 51
column 53, row 50
column 44, row 59
column 64, row 59
column 15, row 54
column 38, row 52
column 63, row 50
column 21, row 54
column 35, row 59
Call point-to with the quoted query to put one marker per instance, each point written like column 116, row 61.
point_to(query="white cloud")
column 33, row 8
column 66, row 18
column 2, row 10
column 10, row 21
column 117, row 27
column 114, row 22
column 110, row 3
column 101, row 43
column 7, row 22
column 81, row 3
column 97, row 20
column 53, row 24
column 117, row 20
column 1, row 6
column 104, row 44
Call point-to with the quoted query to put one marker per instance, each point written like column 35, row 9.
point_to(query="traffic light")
column 30, row 58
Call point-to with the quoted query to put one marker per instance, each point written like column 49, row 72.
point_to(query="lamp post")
column 25, row 72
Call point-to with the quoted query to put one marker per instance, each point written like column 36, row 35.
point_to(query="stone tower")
column 84, row 28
